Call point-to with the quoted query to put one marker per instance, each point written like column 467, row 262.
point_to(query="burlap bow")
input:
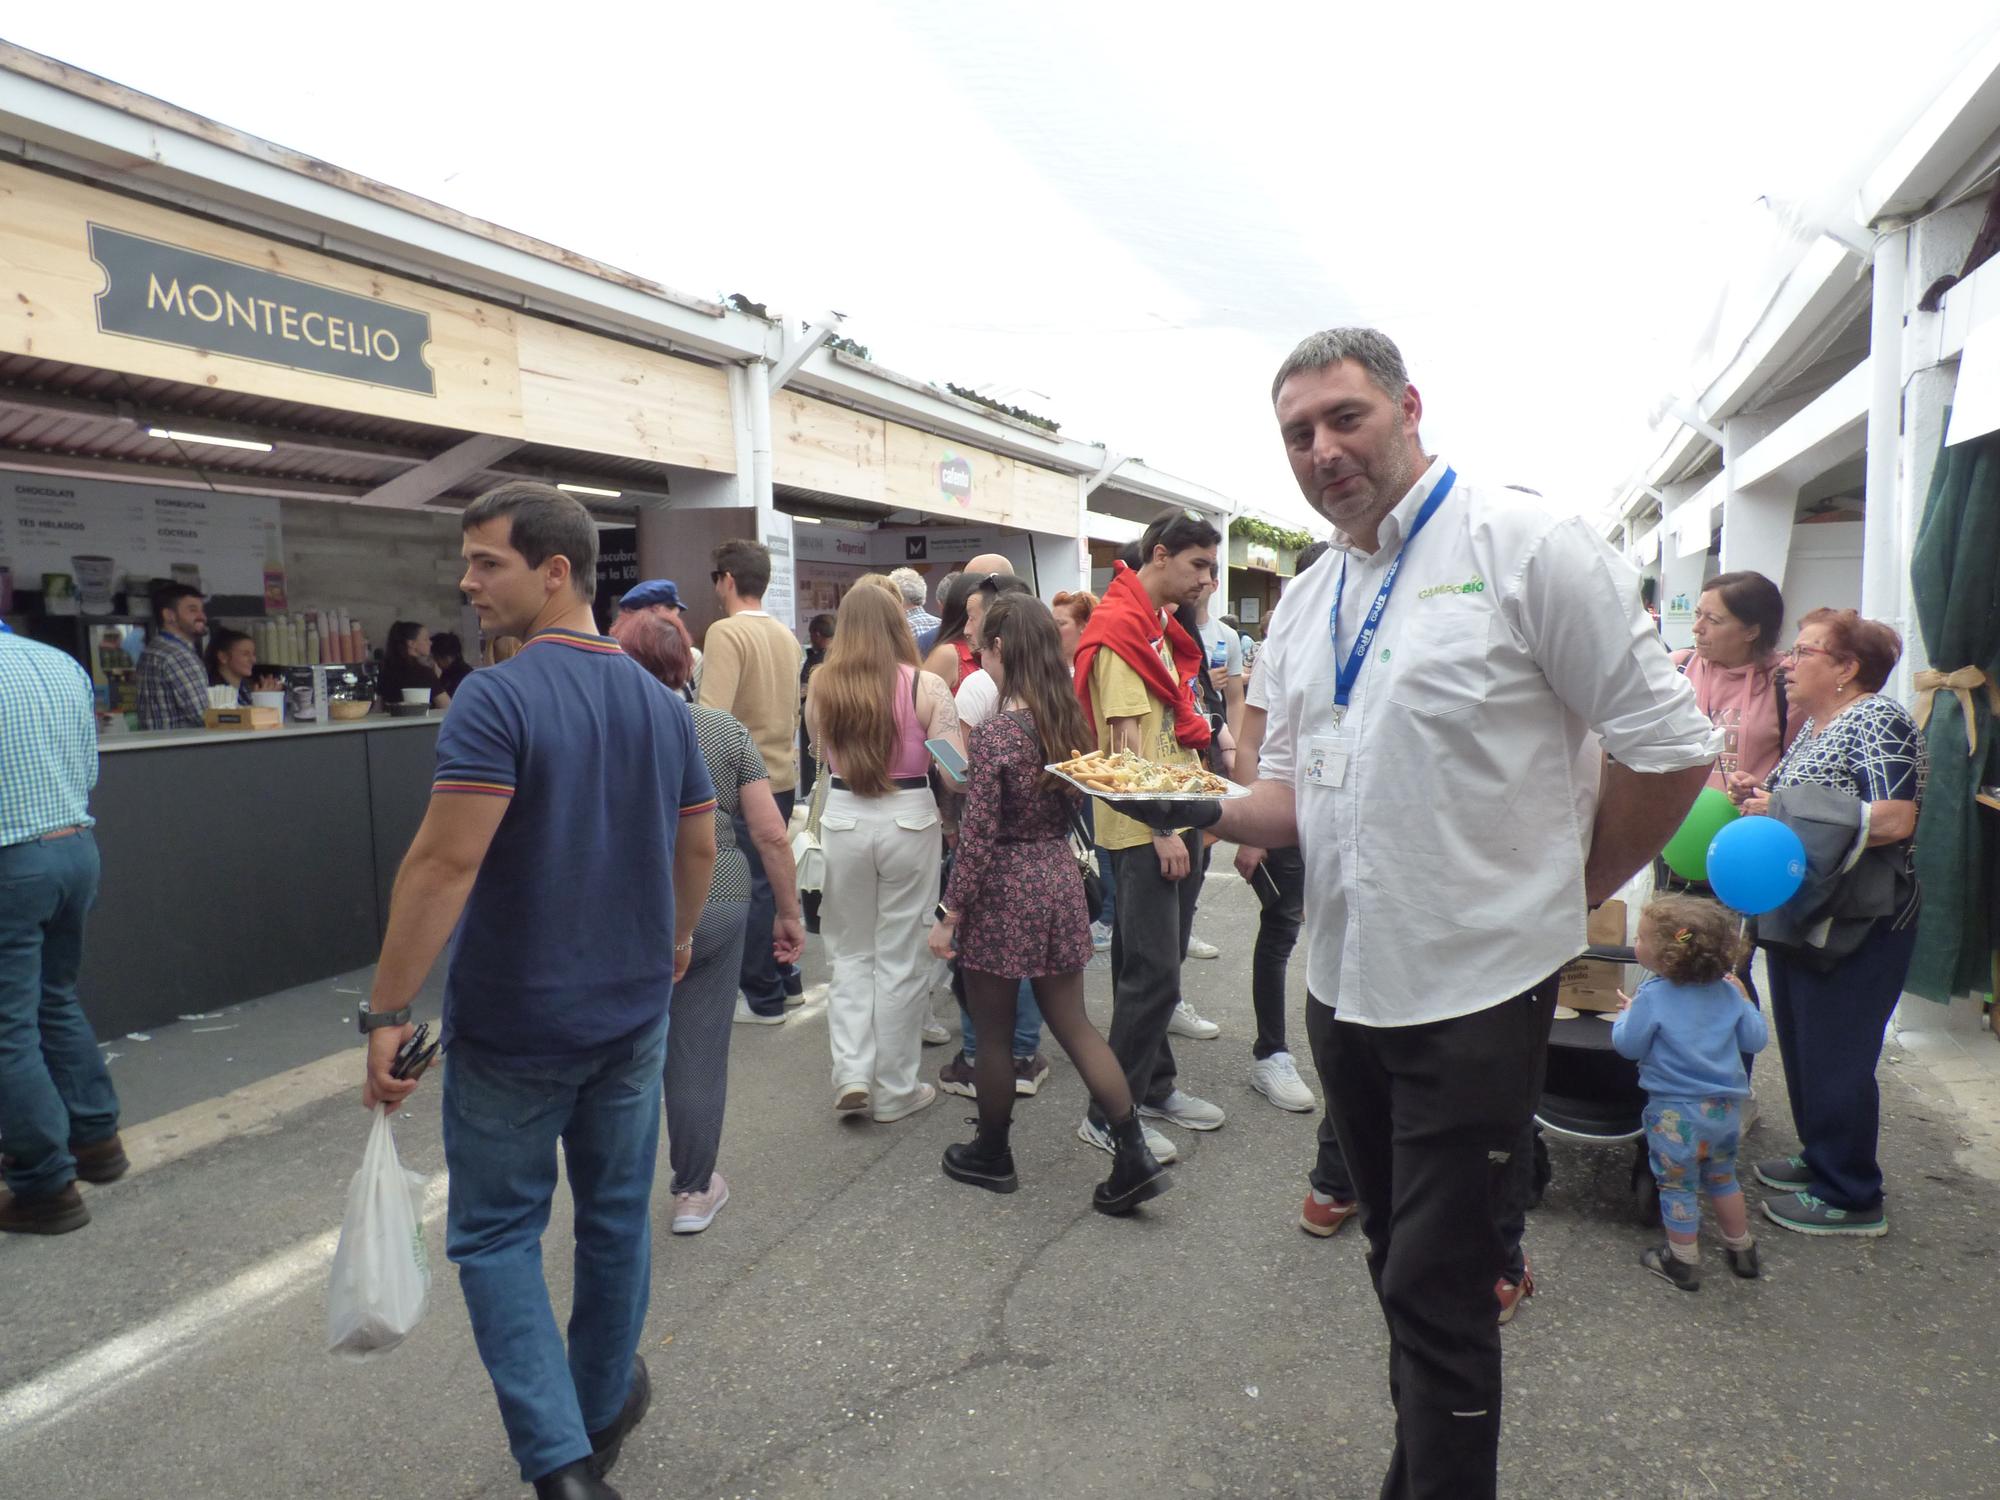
column 1960, row 685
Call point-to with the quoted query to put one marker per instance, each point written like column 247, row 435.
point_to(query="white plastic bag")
column 381, row 1269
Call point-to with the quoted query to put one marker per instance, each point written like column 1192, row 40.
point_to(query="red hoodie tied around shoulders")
column 1127, row 622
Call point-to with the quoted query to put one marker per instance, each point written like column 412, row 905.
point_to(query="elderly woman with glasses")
column 1830, row 1011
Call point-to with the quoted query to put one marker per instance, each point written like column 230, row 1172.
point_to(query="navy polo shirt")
column 567, row 940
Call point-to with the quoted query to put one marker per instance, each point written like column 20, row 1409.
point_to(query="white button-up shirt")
column 1444, row 873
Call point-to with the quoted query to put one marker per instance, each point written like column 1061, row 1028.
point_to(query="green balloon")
column 1686, row 853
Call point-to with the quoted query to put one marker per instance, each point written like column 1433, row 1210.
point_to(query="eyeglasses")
column 718, row 575
column 1799, row 651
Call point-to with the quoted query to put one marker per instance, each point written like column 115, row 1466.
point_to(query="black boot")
column 1135, row 1174
column 986, row 1161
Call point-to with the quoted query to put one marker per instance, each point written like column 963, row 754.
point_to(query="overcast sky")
column 1123, row 215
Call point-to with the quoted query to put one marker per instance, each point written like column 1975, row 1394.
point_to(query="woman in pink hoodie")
column 1734, row 671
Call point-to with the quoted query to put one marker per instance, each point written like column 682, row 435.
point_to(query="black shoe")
column 1744, row 1262
column 605, row 1445
column 49, row 1213
column 574, row 1482
column 101, row 1161
column 985, row 1161
column 794, row 983
column 1136, row 1174
column 1662, row 1263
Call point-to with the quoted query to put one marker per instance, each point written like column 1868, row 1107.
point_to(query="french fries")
column 1121, row 773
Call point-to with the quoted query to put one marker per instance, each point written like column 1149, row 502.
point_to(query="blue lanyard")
column 1347, row 672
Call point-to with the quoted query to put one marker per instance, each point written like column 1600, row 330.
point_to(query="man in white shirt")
column 1224, row 648
column 1473, row 736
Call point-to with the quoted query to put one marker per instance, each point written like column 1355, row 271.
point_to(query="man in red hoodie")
column 1133, row 666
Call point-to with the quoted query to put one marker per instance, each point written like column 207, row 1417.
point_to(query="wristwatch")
column 374, row 1021
column 942, row 913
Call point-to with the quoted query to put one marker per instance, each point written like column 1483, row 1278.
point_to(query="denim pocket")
column 483, row 1095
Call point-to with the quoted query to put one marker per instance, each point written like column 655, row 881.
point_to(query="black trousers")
column 1148, row 942
column 1430, row 1119
column 1329, row 1174
column 1280, row 885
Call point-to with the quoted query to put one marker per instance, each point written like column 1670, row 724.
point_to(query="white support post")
column 1884, row 562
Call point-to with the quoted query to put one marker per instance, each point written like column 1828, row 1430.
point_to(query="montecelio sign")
column 168, row 295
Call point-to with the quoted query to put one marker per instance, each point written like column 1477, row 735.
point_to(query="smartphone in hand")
column 948, row 760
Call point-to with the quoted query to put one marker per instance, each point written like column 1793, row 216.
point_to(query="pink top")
column 909, row 758
column 1743, row 703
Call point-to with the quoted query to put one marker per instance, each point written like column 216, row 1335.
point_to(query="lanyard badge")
column 1347, row 670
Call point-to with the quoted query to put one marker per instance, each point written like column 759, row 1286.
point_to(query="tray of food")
column 1120, row 773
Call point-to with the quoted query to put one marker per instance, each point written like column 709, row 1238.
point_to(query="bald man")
column 989, row 562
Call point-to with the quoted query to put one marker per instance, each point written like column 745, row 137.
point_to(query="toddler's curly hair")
column 1694, row 940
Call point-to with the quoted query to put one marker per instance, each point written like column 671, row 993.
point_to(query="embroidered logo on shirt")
column 1473, row 585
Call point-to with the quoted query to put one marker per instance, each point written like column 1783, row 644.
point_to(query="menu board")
column 47, row 522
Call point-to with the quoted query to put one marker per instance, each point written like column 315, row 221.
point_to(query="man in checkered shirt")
column 58, row 1111
column 173, row 683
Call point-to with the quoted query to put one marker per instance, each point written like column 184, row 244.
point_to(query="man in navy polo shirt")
column 568, row 824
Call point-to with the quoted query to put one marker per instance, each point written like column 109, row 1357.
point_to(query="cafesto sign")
column 171, row 295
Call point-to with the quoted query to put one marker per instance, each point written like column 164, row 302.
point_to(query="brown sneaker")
column 53, row 1213
column 101, row 1161
column 1029, row 1073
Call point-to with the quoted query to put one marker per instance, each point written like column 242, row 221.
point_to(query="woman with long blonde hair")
column 869, row 709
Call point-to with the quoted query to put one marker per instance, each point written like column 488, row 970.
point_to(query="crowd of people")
column 610, row 843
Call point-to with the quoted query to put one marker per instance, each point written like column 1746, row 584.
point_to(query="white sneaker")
column 1277, row 1078
column 745, row 1016
column 694, row 1212
column 1100, row 937
column 1183, row 1109
column 936, row 1033
column 1184, row 1022
column 1163, row 1149
column 924, row 1098
column 1198, row 949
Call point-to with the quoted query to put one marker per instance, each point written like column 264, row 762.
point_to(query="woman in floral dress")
column 1014, row 908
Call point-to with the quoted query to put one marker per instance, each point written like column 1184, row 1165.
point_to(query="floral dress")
column 1014, row 881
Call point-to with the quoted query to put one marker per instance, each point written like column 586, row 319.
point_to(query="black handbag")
column 1086, row 864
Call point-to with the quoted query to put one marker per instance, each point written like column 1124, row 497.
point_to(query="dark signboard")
column 617, row 569
column 168, row 295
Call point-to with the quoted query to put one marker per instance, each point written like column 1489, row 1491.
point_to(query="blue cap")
column 652, row 591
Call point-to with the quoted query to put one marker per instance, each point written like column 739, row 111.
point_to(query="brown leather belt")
column 63, row 833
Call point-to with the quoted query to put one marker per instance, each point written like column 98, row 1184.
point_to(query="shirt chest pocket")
column 1443, row 662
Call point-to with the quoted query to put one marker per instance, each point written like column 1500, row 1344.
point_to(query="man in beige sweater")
column 750, row 670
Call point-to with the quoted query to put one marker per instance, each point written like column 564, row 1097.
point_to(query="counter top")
column 155, row 739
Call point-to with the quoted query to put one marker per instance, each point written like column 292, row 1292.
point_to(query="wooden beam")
column 432, row 478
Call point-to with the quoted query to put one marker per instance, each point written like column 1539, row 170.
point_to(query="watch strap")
column 372, row 1021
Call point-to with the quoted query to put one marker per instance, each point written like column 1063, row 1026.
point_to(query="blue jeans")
column 54, row 1088
column 763, row 977
column 501, row 1126
column 1027, row 1025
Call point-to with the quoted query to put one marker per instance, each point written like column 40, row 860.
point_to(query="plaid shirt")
column 173, row 685
column 48, row 741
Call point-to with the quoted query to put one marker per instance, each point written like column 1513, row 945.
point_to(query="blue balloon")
column 1756, row 865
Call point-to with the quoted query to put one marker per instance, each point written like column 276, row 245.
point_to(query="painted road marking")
column 255, row 1106
column 81, row 1381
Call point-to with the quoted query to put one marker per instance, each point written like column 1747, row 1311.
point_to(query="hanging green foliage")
column 1254, row 529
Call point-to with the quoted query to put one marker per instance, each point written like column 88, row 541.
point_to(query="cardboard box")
column 1595, row 986
column 250, row 717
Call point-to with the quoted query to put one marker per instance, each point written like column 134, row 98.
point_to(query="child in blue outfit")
column 1688, row 1028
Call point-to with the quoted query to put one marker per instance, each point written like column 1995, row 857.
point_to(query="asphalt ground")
column 856, row 1324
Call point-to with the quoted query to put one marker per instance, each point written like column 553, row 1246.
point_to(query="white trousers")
column 875, row 916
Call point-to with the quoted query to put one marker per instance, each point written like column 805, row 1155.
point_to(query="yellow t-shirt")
column 1118, row 692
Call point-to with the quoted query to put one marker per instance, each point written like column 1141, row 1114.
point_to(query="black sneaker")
column 1744, row 1262
column 1787, row 1174
column 1805, row 1214
column 955, row 1077
column 1662, row 1262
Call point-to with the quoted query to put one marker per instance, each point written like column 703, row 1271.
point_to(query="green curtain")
column 1955, row 578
